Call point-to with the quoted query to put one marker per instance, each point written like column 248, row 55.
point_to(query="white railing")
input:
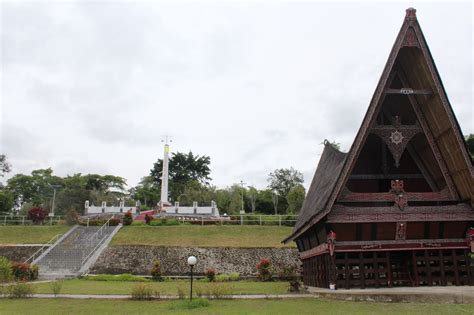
column 244, row 219
column 23, row 220
column 100, row 231
column 97, row 234
column 40, row 251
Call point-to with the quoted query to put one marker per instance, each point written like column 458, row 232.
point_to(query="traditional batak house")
column 397, row 209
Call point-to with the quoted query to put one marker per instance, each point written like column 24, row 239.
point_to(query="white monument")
column 164, row 177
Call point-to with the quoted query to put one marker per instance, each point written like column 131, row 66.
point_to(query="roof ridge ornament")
column 410, row 14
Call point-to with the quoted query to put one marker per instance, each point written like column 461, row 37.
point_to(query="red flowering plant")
column 211, row 274
column 264, row 270
column 37, row 215
column 148, row 218
column 127, row 218
column 24, row 271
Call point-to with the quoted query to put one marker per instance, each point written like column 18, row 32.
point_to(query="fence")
column 23, row 220
column 245, row 219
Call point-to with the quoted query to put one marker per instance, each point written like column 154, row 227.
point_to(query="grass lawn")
column 273, row 307
column 204, row 236
column 77, row 286
column 30, row 234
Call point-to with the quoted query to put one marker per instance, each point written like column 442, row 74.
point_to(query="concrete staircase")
column 75, row 251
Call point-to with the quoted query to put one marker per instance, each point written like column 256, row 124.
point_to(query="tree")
column 282, row 180
column 6, row 201
column 37, row 215
column 252, row 194
column 264, row 202
column 470, row 144
column 146, row 191
column 296, row 198
column 275, row 198
column 183, row 168
column 195, row 191
column 5, row 167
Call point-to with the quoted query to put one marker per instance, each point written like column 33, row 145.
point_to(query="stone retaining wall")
column 18, row 252
column 139, row 259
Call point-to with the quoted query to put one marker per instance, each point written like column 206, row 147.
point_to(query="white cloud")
column 91, row 87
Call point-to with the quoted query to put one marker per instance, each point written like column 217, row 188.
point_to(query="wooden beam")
column 349, row 196
column 388, row 176
column 431, row 140
column 409, row 91
column 400, row 245
column 346, row 214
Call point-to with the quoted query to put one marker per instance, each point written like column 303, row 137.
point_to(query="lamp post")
column 54, row 199
column 191, row 262
column 242, row 211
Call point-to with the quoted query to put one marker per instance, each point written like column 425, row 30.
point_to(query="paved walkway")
column 175, row 297
column 451, row 294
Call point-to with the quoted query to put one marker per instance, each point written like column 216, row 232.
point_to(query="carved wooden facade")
column 397, row 209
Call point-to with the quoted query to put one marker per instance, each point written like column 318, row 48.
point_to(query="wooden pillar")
column 456, row 266
column 376, row 270
column 428, row 268
column 346, row 271
column 441, row 266
column 415, row 268
column 361, row 270
column 389, row 269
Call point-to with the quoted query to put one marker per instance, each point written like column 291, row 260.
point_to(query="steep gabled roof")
column 414, row 62
column 323, row 183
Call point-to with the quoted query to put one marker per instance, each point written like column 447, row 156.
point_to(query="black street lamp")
column 191, row 262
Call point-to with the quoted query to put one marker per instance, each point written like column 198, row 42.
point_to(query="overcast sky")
column 91, row 87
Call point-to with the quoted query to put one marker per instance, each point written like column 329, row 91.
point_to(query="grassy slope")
column 273, row 307
column 204, row 236
column 166, row 288
column 20, row 234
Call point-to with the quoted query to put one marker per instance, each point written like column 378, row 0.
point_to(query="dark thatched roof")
column 324, row 180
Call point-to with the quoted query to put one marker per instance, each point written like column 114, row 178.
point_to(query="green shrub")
column 34, row 272
column 234, row 276
column 211, row 274
column 181, row 292
column 122, row 277
column 72, row 217
column 135, row 223
column 141, row 292
column 195, row 303
column 156, row 223
column 5, row 270
column 295, row 286
column 223, row 277
column 172, row 222
column 19, row 290
column 219, row 290
column 288, row 273
column 156, row 271
column 56, row 287
column 114, row 221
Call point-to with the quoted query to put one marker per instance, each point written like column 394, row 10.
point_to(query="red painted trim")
column 316, row 251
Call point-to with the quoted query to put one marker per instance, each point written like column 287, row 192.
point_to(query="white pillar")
column 164, row 176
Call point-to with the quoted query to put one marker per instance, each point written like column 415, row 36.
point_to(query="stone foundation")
column 18, row 252
column 139, row 259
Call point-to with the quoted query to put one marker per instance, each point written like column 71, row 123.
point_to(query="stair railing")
column 40, row 251
column 96, row 235
column 99, row 232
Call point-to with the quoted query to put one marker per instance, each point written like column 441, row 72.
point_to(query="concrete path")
column 451, row 294
column 174, row 297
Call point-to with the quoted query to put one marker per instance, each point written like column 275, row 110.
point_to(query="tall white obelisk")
column 164, row 177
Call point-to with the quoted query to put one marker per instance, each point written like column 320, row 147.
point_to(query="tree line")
column 189, row 180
